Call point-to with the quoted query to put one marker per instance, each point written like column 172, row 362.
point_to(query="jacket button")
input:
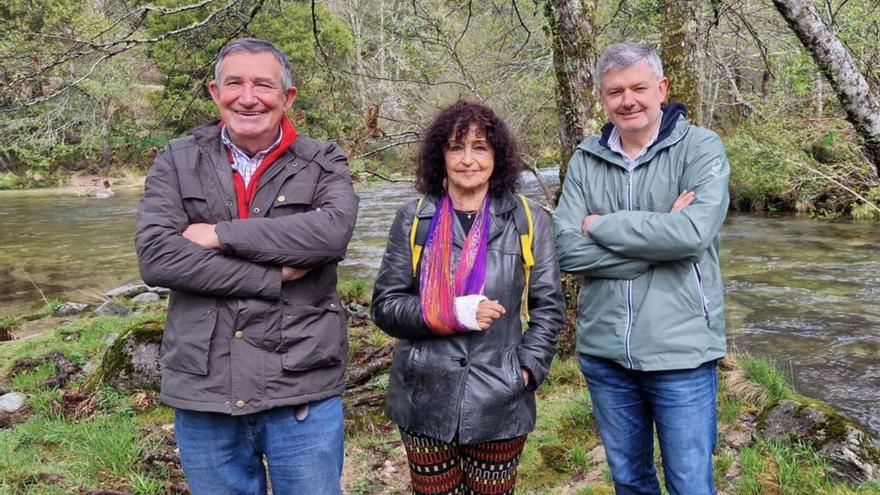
column 332, row 306
column 281, row 199
column 239, row 334
column 462, row 362
column 256, row 210
column 229, row 203
column 240, row 404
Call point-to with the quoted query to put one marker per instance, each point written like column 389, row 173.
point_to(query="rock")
column 848, row 449
column 145, row 298
column 132, row 362
column 70, row 309
column 12, row 402
column 127, row 290
column 110, row 338
column 357, row 310
column 89, row 368
column 99, row 193
column 110, row 308
column 161, row 291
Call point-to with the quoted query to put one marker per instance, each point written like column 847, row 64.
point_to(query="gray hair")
column 622, row 55
column 256, row 45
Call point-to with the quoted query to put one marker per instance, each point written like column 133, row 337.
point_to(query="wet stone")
column 70, row 309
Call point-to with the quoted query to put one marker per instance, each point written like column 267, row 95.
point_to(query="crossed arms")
column 241, row 258
column 625, row 244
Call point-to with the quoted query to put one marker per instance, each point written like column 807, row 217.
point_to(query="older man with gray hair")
column 639, row 221
column 245, row 220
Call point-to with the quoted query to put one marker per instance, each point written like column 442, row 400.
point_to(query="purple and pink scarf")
column 438, row 286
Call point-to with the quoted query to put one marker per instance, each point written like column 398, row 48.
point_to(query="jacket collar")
column 673, row 127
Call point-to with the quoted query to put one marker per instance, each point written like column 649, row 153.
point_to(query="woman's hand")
column 487, row 312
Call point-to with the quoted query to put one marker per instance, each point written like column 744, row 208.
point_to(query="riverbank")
column 77, row 434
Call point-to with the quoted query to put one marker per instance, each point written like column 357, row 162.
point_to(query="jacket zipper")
column 629, row 284
column 703, row 300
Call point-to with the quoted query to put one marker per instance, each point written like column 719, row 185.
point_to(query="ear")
column 664, row 87
column 215, row 91
column 289, row 97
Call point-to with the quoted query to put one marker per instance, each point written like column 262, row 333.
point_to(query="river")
column 803, row 292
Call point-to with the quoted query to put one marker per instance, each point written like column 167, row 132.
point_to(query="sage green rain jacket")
column 651, row 295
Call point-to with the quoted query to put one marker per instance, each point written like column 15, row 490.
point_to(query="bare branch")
column 388, row 146
column 523, row 24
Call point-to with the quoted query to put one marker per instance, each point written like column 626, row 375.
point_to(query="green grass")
column 766, row 375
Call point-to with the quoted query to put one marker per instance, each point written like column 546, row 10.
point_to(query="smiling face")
column 251, row 98
column 632, row 97
column 469, row 162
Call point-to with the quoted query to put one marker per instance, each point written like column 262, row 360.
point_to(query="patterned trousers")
column 439, row 468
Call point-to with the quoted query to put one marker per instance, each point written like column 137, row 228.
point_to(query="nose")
column 247, row 96
column 628, row 98
column 467, row 158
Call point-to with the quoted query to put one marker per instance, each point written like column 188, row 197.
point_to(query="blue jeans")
column 681, row 403
column 223, row 454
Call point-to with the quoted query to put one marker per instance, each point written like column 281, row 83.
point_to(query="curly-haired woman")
column 464, row 371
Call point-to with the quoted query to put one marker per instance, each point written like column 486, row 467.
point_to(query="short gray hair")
column 622, row 55
column 256, row 45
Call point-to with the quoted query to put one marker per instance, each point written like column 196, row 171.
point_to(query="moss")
column 116, row 360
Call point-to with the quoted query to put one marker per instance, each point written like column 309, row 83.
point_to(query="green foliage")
column 355, row 290
column 765, row 374
column 8, row 180
column 188, row 62
column 785, row 162
column 776, row 467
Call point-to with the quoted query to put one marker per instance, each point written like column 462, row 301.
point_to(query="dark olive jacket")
column 468, row 386
column 237, row 340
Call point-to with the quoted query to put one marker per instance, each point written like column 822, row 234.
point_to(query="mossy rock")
column 132, row 361
column 847, row 447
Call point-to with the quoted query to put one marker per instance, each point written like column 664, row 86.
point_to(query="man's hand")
column 683, row 199
column 290, row 273
column 202, row 234
column 525, row 375
column 487, row 312
column 585, row 225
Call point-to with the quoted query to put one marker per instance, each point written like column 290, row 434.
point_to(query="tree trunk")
column 861, row 106
column 574, row 61
column 682, row 51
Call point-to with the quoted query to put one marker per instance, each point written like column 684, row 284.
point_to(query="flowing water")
column 805, row 293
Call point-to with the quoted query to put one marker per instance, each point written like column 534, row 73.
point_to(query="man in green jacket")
column 639, row 220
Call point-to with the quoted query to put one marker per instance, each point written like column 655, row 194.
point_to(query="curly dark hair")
column 457, row 118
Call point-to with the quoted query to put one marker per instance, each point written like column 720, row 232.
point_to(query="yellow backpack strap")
column 415, row 249
column 525, row 241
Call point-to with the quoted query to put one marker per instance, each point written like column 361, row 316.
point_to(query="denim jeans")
column 223, row 454
column 681, row 403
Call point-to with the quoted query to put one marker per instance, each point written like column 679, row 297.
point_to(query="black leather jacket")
column 468, row 386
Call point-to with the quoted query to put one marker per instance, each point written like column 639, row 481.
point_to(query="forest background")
column 98, row 86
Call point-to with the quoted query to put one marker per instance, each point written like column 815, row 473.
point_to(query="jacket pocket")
column 295, row 196
column 312, row 336
column 514, row 372
column 195, row 203
column 704, row 301
column 187, row 338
